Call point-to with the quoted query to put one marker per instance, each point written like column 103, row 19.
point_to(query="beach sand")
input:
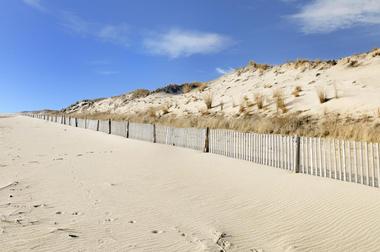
column 71, row 189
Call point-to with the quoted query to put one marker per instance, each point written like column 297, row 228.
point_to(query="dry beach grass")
column 366, row 128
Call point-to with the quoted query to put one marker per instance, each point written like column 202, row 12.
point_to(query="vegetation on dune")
column 259, row 100
column 365, row 128
column 207, row 99
column 321, row 93
column 297, row 90
column 140, row 93
column 279, row 99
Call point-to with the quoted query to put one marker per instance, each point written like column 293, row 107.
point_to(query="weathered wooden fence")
column 104, row 126
column 73, row 122
column 92, row 124
column 273, row 150
column 184, row 137
column 141, row 131
column 119, row 128
column 81, row 123
column 357, row 162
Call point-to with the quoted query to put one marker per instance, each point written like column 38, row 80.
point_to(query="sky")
column 56, row 52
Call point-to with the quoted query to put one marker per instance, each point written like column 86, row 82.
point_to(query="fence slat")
column 373, row 164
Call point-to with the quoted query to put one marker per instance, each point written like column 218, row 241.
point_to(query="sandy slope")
column 114, row 194
column 354, row 80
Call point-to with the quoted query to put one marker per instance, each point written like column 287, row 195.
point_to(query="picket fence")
column 357, row 162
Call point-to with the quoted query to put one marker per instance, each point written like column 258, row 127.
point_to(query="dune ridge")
column 335, row 98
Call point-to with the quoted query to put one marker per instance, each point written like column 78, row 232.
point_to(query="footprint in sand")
column 221, row 240
column 10, row 185
column 79, row 155
column 57, row 159
column 157, row 231
column 109, row 220
column 132, row 222
column 180, row 231
column 3, row 165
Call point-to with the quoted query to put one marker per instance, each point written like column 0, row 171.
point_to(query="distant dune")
column 337, row 98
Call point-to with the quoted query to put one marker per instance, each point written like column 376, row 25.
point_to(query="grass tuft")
column 140, row 93
column 186, row 88
column 207, row 99
column 259, row 99
column 296, row 91
column 202, row 87
column 279, row 99
column 321, row 93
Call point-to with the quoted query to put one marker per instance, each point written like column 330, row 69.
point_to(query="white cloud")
column 117, row 34
column 35, row 4
column 224, row 71
column 323, row 16
column 181, row 43
column 76, row 24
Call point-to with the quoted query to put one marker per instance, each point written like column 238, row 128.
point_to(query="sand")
column 352, row 90
column 71, row 189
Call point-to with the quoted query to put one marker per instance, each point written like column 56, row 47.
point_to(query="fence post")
column 154, row 133
column 97, row 125
column 127, row 129
column 109, row 126
column 76, row 122
column 207, row 141
column 297, row 154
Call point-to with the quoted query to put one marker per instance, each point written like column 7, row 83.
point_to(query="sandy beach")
column 71, row 189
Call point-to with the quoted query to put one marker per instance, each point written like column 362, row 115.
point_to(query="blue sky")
column 55, row 52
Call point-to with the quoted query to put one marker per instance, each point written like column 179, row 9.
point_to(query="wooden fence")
column 357, row 162
column 272, row 150
column 81, row 123
column 119, row 128
column 141, row 131
column 104, row 126
column 350, row 161
column 184, row 137
column 92, row 124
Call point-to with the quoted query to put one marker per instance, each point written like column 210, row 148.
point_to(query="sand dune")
column 70, row 189
column 351, row 85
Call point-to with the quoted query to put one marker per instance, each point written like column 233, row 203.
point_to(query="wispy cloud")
column 224, row 71
column 323, row 16
column 74, row 23
column 177, row 43
column 35, row 4
column 173, row 43
column 117, row 34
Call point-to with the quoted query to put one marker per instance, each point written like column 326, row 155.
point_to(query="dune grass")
column 364, row 128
